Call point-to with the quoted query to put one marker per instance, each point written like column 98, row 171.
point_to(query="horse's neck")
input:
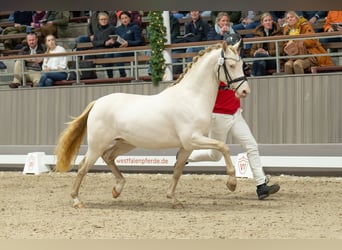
column 202, row 77
column 202, row 81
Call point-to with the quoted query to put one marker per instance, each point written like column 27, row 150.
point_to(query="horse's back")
column 141, row 120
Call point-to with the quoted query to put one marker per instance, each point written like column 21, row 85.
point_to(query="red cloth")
column 226, row 102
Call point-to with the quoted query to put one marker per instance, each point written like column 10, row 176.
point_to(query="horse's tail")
column 70, row 140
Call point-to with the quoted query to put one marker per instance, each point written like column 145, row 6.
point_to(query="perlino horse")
column 177, row 117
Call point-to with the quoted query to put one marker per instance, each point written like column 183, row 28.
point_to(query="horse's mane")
column 200, row 54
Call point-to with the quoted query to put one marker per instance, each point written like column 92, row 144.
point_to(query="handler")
column 227, row 118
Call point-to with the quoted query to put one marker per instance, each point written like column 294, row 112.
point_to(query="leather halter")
column 222, row 63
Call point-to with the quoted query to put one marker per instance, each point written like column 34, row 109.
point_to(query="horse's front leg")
column 182, row 156
column 203, row 142
column 231, row 182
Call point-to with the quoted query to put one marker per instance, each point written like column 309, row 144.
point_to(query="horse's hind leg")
column 83, row 169
column 109, row 157
column 177, row 172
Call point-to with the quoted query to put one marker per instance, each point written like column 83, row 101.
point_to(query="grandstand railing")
column 140, row 59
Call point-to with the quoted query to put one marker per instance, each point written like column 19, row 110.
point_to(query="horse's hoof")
column 231, row 184
column 78, row 205
column 115, row 193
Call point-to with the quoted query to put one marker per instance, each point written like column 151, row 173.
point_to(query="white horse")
column 177, row 117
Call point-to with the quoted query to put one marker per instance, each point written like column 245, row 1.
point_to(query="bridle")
column 222, row 63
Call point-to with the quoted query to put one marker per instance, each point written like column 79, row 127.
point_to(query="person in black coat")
column 195, row 31
column 130, row 35
column 102, row 39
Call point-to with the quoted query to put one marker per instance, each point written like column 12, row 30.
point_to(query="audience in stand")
column 265, row 49
column 249, row 20
column 102, row 39
column 129, row 35
column 234, row 16
column 279, row 17
column 332, row 23
column 222, row 27
column 195, row 31
column 299, row 25
column 93, row 26
column 32, row 66
column 177, row 14
column 313, row 16
column 55, row 23
column 22, row 19
column 37, row 17
column 136, row 17
column 54, row 68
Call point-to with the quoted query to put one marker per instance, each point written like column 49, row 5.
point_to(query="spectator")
column 313, row 16
column 33, row 66
column 56, row 23
column 221, row 27
column 333, row 17
column 53, row 67
column 195, row 31
column 177, row 14
column 131, row 35
column 265, row 49
column 278, row 17
column 102, row 40
column 92, row 27
column 249, row 20
column 38, row 15
column 175, row 34
column 136, row 17
column 22, row 19
column 234, row 16
column 227, row 119
column 299, row 25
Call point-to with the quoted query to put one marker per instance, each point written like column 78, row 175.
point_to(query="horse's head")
column 230, row 70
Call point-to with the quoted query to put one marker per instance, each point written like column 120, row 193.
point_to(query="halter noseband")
column 228, row 77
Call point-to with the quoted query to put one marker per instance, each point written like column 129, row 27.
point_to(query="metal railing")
column 138, row 63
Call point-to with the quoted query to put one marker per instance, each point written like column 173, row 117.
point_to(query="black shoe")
column 264, row 191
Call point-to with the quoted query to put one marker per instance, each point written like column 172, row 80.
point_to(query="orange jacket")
column 334, row 16
column 313, row 46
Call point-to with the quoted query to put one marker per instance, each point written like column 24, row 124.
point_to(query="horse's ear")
column 224, row 45
column 237, row 45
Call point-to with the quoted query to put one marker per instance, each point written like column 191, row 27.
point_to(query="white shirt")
column 56, row 63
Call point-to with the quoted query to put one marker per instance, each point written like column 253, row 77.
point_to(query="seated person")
column 92, row 27
column 130, row 34
column 56, row 23
column 334, row 18
column 267, row 28
column 195, row 31
column 313, row 16
column 22, row 19
column 37, row 17
column 299, row 25
column 32, row 66
column 53, row 68
column 234, row 16
column 249, row 20
column 221, row 28
column 102, row 39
